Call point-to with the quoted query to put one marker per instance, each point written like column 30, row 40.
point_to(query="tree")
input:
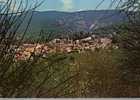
column 14, row 77
column 130, row 43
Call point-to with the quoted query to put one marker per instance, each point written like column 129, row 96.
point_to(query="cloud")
column 67, row 4
column 2, row 1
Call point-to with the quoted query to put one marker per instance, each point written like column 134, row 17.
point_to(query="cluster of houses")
column 63, row 46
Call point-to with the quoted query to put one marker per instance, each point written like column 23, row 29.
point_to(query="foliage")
column 129, row 39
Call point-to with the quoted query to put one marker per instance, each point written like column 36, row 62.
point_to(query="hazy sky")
column 73, row 5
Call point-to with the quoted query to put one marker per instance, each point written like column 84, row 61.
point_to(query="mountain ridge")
column 68, row 22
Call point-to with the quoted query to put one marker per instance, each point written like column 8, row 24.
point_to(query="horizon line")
column 76, row 10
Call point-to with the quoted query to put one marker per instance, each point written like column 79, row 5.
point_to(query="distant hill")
column 62, row 22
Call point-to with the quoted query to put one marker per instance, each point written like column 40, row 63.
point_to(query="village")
column 63, row 46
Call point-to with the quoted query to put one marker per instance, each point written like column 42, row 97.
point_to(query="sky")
column 69, row 5
column 73, row 5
